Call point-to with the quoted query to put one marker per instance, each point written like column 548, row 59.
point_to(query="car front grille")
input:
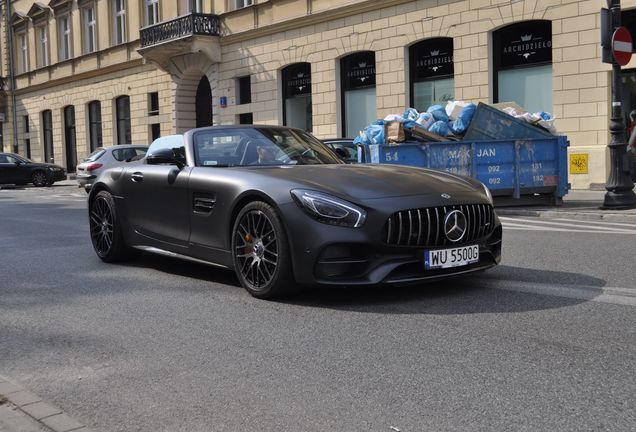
column 425, row 226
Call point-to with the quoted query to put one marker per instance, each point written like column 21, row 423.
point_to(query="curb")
column 42, row 413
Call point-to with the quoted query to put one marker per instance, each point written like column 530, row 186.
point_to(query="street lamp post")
column 620, row 193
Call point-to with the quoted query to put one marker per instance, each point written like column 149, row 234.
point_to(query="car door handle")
column 137, row 177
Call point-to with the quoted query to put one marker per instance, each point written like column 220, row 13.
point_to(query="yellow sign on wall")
column 578, row 163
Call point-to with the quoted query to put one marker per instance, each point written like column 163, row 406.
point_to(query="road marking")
column 627, row 225
column 580, row 226
column 613, row 295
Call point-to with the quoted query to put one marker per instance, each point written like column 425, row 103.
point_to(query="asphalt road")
column 546, row 341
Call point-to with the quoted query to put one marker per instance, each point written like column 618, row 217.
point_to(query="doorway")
column 204, row 103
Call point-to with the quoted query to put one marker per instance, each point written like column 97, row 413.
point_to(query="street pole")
column 620, row 193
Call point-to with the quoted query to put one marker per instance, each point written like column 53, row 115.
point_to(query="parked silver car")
column 104, row 158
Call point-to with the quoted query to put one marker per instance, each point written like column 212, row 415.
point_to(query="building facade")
column 88, row 73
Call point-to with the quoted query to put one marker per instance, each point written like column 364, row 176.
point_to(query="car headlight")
column 329, row 209
column 488, row 193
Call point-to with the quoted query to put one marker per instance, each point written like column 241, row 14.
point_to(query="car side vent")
column 203, row 205
column 425, row 227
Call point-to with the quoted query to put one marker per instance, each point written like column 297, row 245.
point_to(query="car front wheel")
column 106, row 229
column 39, row 179
column 261, row 252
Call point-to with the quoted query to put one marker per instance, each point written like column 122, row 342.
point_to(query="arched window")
column 358, row 91
column 431, row 71
column 122, row 106
column 297, row 96
column 203, row 103
column 95, row 125
column 523, row 64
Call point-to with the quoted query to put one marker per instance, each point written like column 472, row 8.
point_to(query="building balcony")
column 193, row 33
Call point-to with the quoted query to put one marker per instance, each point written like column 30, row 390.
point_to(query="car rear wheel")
column 39, row 179
column 261, row 252
column 106, row 230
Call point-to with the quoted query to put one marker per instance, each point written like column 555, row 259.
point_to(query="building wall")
column 261, row 39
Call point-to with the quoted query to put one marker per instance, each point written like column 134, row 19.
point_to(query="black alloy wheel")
column 106, row 230
column 39, row 179
column 260, row 251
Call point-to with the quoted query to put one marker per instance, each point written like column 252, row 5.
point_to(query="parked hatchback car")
column 104, row 158
column 16, row 169
column 344, row 147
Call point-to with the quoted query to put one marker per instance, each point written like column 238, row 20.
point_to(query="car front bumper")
column 327, row 254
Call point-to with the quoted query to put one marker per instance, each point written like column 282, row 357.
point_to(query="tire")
column 39, row 179
column 106, row 229
column 260, row 251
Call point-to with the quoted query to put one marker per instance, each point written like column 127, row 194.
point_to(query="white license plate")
column 455, row 257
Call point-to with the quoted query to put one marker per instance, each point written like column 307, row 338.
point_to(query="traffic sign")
column 622, row 46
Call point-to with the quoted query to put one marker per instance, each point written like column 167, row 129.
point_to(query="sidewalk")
column 577, row 204
column 23, row 411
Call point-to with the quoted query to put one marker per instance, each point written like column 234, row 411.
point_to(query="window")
column 90, row 25
column 297, row 96
column 238, row 4
column 522, row 63
column 153, row 103
column 95, row 125
column 65, row 37
column 244, row 90
column 47, row 128
column 122, row 106
column 195, row 6
column 151, row 11
column 431, row 73
column 119, row 21
column 43, row 46
column 155, row 131
column 358, row 92
column 23, row 54
column 27, row 141
column 246, row 118
column 69, row 138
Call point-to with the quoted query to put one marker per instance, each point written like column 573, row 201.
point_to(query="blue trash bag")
column 463, row 120
column 438, row 112
column 410, row 114
column 439, row 128
column 425, row 119
column 375, row 133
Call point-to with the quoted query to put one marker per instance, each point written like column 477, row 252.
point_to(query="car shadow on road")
column 504, row 289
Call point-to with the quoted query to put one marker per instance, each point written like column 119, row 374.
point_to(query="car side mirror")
column 18, row 163
column 166, row 156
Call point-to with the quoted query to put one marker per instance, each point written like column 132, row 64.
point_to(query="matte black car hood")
column 371, row 181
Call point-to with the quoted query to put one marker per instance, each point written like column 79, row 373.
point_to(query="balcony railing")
column 187, row 25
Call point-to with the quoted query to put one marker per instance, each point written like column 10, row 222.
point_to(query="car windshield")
column 259, row 146
column 95, row 155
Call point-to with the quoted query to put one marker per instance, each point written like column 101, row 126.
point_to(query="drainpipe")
column 12, row 74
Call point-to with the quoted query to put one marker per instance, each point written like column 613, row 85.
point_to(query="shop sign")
column 359, row 70
column 525, row 43
column 297, row 79
column 432, row 58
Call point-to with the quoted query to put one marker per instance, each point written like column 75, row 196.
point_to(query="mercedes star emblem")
column 455, row 226
column 445, row 195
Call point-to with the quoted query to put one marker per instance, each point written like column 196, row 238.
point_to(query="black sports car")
column 278, row 207
column 16, row 169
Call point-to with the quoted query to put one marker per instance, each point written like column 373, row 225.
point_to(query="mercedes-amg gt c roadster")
column 281, row 209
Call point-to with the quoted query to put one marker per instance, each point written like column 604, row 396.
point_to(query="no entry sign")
column 622, row 46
